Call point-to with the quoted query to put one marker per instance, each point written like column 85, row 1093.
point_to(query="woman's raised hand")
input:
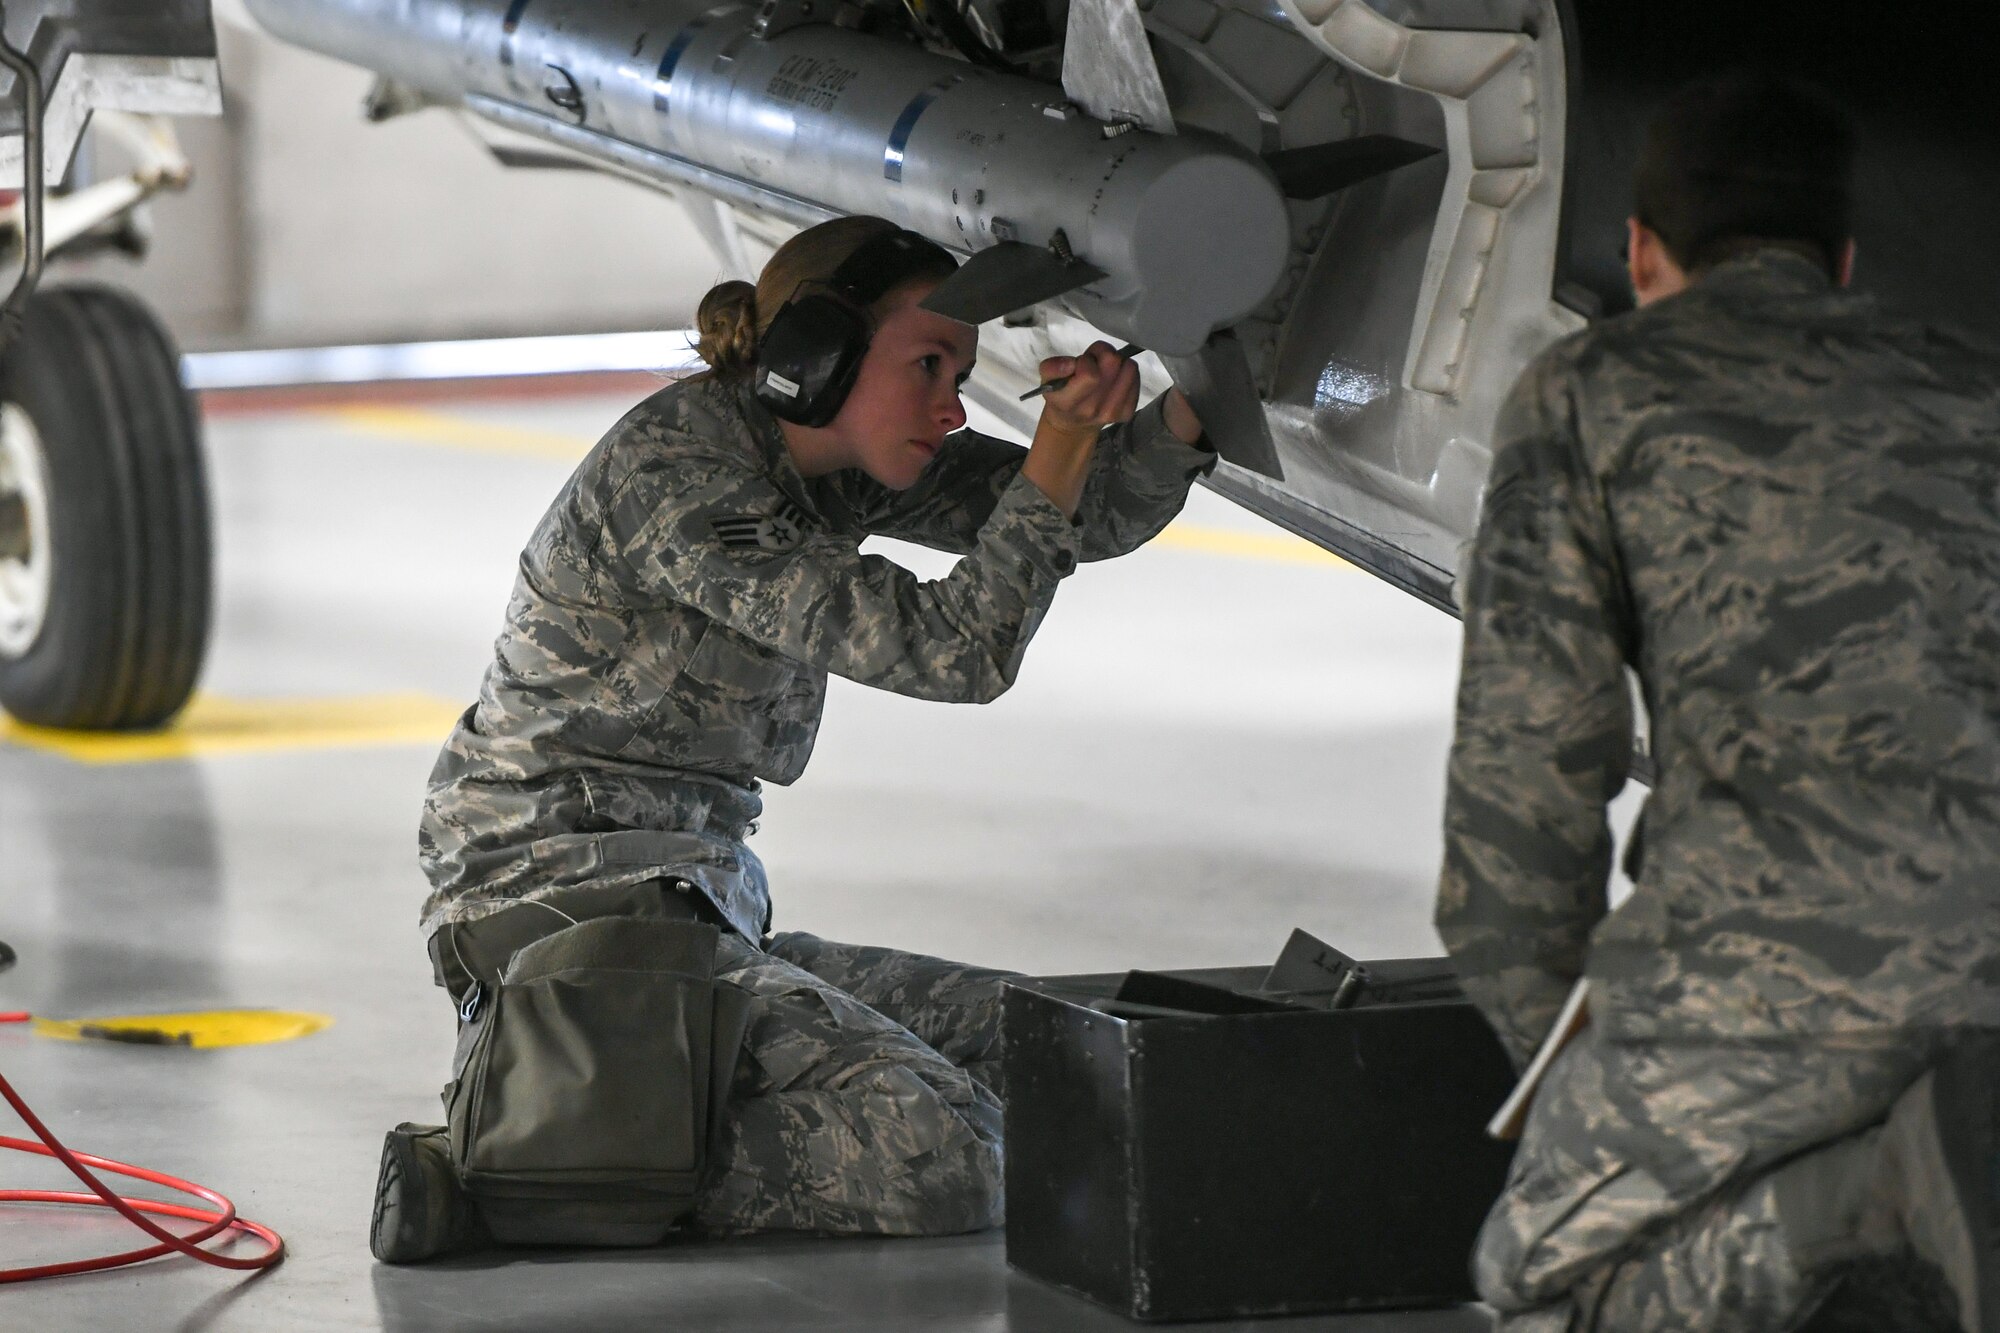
column 1103, row 389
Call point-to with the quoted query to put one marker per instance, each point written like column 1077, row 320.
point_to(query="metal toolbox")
column 1174, row 1164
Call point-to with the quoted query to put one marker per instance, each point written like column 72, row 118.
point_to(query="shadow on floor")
column 782, row 1284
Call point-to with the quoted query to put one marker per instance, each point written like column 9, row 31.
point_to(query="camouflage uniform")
column 868, row 1101
column 1776, row 503
column 666, row 650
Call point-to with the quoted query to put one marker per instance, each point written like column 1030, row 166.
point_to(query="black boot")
column 420, row 1210
column 1885, row 1294
column 1917, row 1195
column 1942, row 1169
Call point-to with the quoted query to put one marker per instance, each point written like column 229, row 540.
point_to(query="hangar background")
column 305, row 225
column 1223, row 737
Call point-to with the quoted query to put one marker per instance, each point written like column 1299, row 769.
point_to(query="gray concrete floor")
column 1215, row 740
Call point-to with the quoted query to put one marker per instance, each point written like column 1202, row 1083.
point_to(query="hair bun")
column 727, row 322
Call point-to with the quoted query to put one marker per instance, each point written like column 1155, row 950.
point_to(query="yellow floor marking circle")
column 1249, row 545
column 213, row 725
column 413, row 425
column 215, row 1027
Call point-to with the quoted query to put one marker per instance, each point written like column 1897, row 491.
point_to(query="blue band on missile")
column 899, row 137
column 663, row 80
column 509, row 26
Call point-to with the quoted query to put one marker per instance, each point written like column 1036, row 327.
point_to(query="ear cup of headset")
column 808, row 359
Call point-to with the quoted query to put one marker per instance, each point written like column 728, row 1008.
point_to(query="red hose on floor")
column 222, row 1220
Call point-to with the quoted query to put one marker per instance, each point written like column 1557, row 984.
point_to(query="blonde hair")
column 733, row 315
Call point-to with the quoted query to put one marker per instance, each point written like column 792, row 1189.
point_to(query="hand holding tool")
column 1125, row 353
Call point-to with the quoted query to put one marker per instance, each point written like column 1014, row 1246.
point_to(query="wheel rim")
column 25, row 555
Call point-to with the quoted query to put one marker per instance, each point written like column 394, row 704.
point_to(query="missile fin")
column 1223, row 393
column 527, row 158
column 1108, row 67
column 1322, row 168
column 1003, row 278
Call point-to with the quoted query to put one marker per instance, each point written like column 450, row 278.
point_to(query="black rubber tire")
column 129, row 586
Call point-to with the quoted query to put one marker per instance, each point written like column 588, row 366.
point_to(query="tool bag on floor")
column 592, row 1064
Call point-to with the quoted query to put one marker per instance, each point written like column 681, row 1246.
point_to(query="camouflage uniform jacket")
column 1781, row 507
column 675, row 617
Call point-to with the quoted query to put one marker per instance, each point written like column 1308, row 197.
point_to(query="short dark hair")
column 1736, row 160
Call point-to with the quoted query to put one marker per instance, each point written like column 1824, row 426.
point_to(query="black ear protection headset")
column 808, row 358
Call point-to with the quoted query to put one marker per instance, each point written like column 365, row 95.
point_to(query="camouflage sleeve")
column 680, row 536
column 1543, row 735
column 951, row 502
column 1139, row 479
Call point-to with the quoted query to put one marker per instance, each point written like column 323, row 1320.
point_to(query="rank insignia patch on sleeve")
column 783, row 530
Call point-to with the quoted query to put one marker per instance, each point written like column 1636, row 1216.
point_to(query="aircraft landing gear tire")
column 104, row 522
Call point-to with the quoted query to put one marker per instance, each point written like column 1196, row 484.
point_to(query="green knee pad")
column 590, row 1081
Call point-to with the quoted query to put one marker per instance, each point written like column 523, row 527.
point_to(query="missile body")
column 1190, row 230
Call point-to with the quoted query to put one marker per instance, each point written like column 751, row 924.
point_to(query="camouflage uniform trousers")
column 866, row 1098
column 1646, row 1194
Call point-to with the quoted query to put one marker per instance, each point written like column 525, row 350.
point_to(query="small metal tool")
column 1125, row 353
column 1312, row 967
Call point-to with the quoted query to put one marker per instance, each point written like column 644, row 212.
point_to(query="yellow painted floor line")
column 416, row 426
column 211, row 726
column 1248, row 545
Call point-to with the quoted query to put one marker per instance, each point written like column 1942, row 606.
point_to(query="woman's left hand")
column 1180, row 417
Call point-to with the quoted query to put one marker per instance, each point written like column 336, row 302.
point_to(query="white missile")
column 1174, row 236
